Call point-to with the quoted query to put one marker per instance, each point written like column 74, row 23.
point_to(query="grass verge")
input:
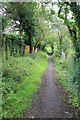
column 21, row 79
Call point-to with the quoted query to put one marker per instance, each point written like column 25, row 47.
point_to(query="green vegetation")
column 48, row 49
column 67, row 70
column 21, row 79
column 13, row 45
column 40, row 26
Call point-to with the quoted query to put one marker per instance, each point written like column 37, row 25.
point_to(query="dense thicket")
column 13, row 45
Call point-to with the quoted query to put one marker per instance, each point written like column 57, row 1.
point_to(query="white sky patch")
column 17, row 22
column 53, row 7
column 69, row 15
column 56, row 9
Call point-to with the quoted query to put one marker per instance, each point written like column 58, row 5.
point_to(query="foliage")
column 20, row 83
column 13, row 45
column 68, row 78
column 46, row 30
column 22, row 14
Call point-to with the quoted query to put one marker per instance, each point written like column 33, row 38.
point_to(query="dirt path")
column 49, row 102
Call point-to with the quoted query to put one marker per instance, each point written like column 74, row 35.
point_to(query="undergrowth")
column 21, row 79
column 68, row 70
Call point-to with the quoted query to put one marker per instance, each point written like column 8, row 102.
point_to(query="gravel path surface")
column 49, row 102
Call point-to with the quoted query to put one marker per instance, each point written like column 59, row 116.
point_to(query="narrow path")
column 49, row 102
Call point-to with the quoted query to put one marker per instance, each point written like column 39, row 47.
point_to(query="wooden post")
column 27, row 49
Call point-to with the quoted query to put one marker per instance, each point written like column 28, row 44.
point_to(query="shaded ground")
column 49, row 102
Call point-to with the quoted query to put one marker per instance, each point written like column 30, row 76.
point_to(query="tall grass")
column 21, row 79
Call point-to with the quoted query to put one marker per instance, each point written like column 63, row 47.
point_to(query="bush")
column 67, row 70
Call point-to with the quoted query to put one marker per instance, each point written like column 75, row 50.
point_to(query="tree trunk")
column 35, row 46
column 30, row 42
column 6, row 49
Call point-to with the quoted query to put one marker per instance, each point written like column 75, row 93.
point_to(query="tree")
column 24, row 13
column 73, row 24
